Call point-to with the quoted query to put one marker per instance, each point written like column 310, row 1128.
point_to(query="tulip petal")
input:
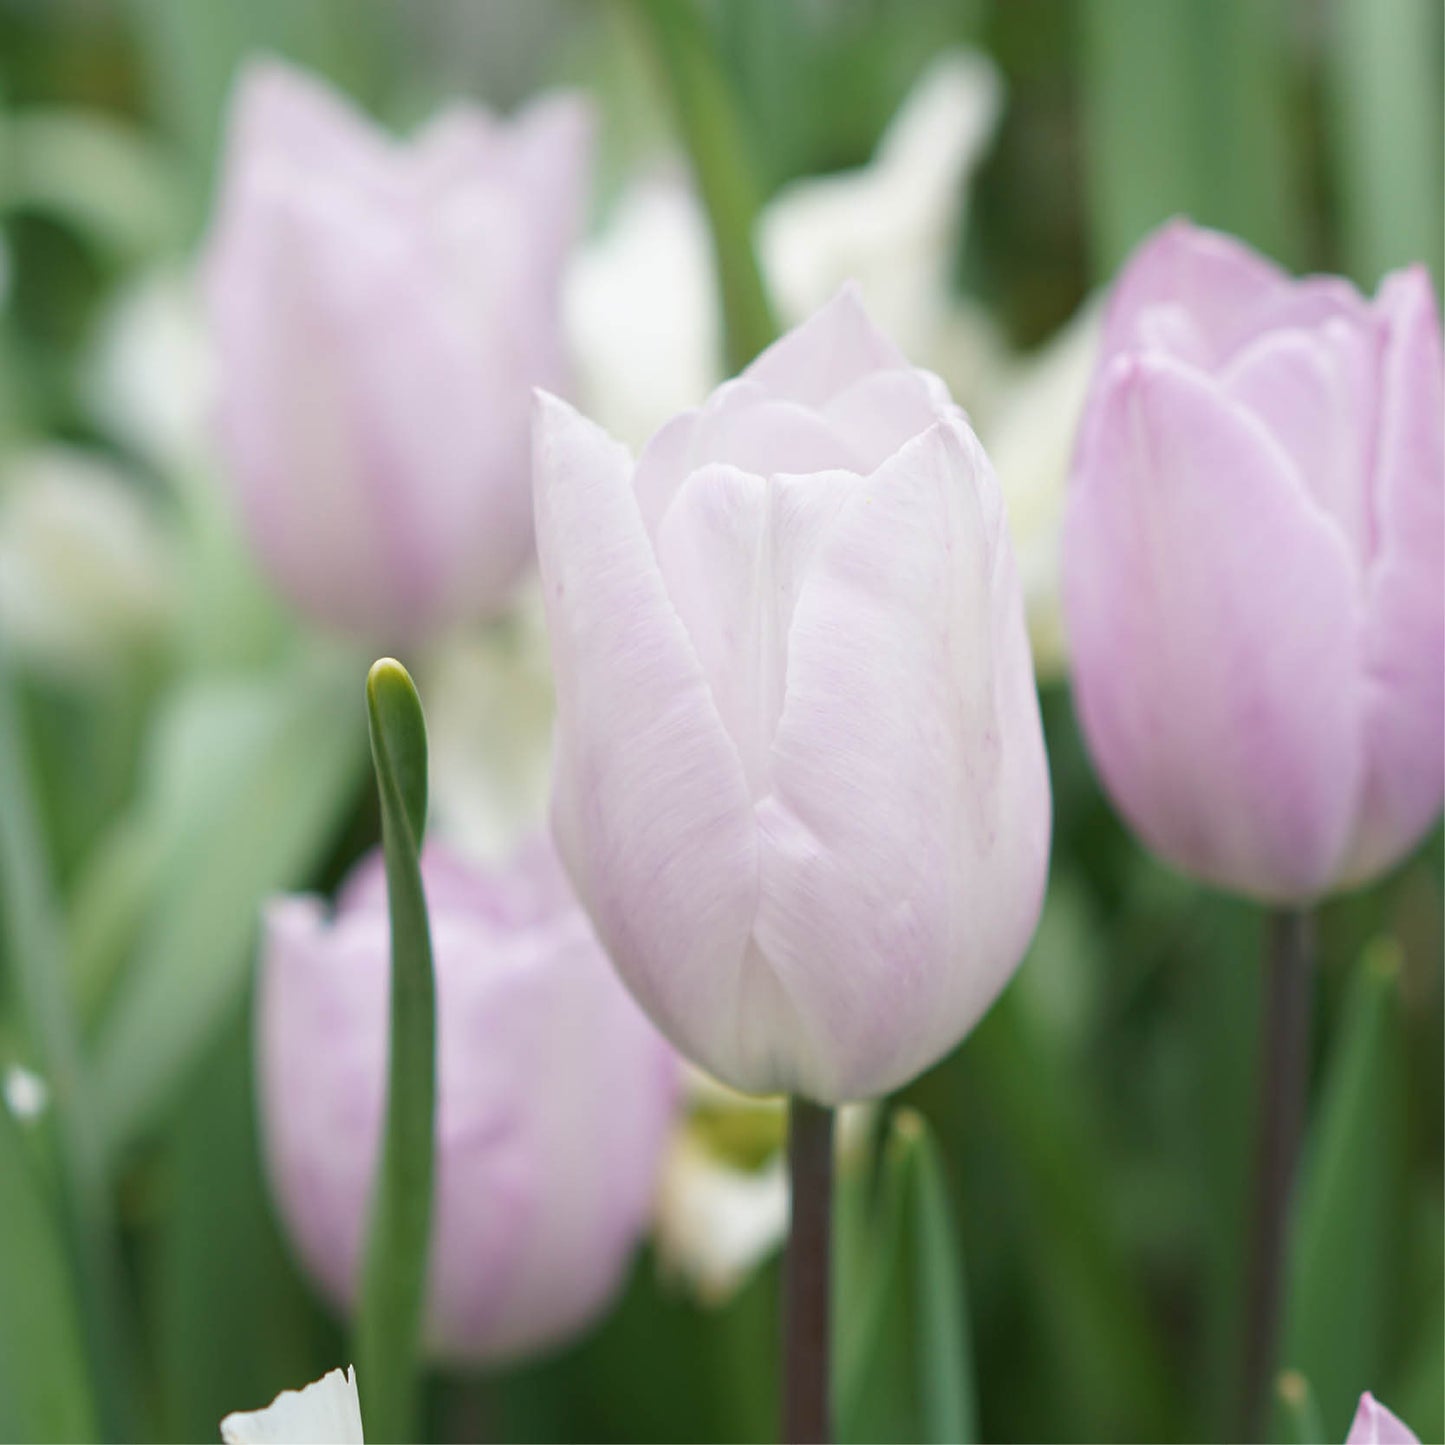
column 905, row 842
column 1200, row 295
column 1375, row 1425
column 1213, row 615
column 325, row 1412
column 834, row 348
column 1312, row 390
column 1404, row 642
column 650, row 799
column 733, row 549
column 284, row 116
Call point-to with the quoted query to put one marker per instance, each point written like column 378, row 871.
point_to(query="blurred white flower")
column 641, row 311
column 716, row 1221
column 26, row 1094
column 87, row 571
column 641, row 301
column 489, row 709
column 326, row 1412
column 723, row 1204
column 1030, row 437
column 149, row 377
column 893, row 224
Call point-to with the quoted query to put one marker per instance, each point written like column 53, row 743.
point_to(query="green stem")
column 394, row 1272
column 34, row 945
column 712, row 131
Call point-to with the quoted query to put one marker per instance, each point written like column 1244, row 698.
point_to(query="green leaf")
column 44, row 1389
column 30, row 934
column 905, row 1367
column 707, row 117
column 1211, row 76
column 244, row 791
column 394, row 1272
column 102, row 178
column 1339, row 1287
column 1385, row 94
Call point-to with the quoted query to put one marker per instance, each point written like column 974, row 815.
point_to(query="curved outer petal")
column 555, row 1100
column 1200, row 295
column 349, row 384
column 1207, row 279
column 1214, row 624
column 650, row 804
column 905, row 842
column 1404, row 642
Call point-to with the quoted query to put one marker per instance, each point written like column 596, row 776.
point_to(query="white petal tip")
column 326, row 1412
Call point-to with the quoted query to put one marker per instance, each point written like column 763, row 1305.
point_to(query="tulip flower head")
column 555, row 1098
column 1375, row 1425
column 1254, row 567
column 800, row 780
column 381, row 311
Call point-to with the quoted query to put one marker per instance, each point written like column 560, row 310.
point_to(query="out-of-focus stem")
column 806, row 1275
column 1283, row 1091
column 708, row 120
column 32, row 933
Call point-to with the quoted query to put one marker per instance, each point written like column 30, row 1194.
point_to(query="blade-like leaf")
column 905, row 1367
column 395, row 1269
column 1339, row 1289
column 44, row 1390
column 30, row 939
column 250, row 779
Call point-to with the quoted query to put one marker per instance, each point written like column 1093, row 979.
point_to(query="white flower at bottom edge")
column 326, row 1412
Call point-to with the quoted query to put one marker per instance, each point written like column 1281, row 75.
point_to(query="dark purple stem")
column 1283, row 1092
column 806, row 1276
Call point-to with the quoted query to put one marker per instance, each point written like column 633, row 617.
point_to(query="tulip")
column 555, row 1098
column 1253, row 567
column 380, row 313
column 326, row 1412
column 1375, row 1425
column 800, row 783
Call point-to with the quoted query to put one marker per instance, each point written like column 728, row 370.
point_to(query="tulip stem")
column 1284, row 1087
column 807, row 1275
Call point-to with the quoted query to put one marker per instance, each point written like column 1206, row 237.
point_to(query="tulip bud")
column 555, row 1098
column 381, row 311
column 800, row 782
column 1254, row 563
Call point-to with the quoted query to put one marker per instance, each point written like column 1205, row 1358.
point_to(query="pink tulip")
column 1375, row 1425
column 1254, row 568
column 381, row 312
column 555, row 1098
column 801, row 783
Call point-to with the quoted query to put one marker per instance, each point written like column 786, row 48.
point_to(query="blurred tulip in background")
column 555, row 1098
column 380, row 311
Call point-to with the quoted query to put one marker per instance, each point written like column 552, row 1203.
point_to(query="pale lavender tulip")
column 1375, row 1425
column 555, row 1098
column 1254, row 567
column 801, row 783
column 381, row 311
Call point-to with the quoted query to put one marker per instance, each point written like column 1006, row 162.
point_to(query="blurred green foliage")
column 1094, row 1134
